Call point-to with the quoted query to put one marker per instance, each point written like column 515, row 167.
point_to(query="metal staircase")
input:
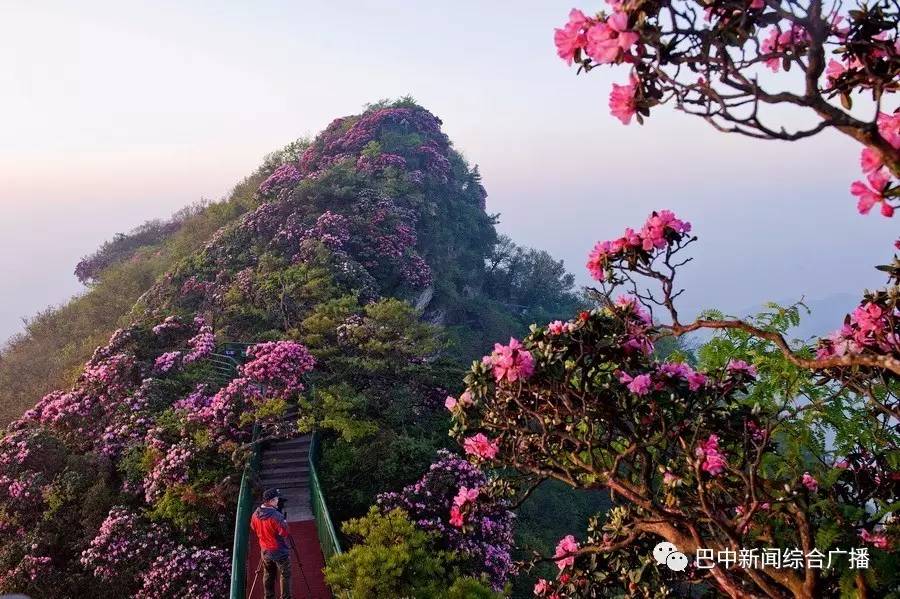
column 285, row 465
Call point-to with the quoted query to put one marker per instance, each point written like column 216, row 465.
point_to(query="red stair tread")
column 307, row 540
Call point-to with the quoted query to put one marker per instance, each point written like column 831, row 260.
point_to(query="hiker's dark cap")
column 271, row 494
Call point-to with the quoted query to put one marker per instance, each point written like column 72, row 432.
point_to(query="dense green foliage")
column 393, row 558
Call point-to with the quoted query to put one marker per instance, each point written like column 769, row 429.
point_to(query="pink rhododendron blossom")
column 571, row 37
column 889, row 128
column 450, row 402
column 456, row 517
column 877, row 540
column 610, row 41
column 669, row 478
column 481, row 446
column 541, row 586
column 202, row 344
column 660, row 229
column 465, row 496
column 779, row 42
column 171, row 323
column 641, row 384
column 631, row 303
column 870, row 160
column 566, row 546
column 167, row 361
column 510, row 362
column 278, row 366
column 623, row 100
column 809, row 482
column 741, row 367
column 834, row 70
column 714, row 462
column 871, row 194
column 654, row 230
column 695, row 380
column 870, row 327
column 558, row 327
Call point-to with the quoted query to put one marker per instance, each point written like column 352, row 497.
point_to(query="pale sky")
column 116, row 112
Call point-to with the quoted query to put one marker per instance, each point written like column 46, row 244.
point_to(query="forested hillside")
column 366, row 275
column 57, row 341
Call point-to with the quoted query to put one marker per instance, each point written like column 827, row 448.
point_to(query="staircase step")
column 291, row 460
column 284, row 480
column 292, row 443
column 299, row 453
column 288, row 473
column 284, row 468
column 298, row 440
column 285, row 484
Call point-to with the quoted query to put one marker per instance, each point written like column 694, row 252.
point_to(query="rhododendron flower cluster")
column 194, row 286
column 741, row 367
column 171, row 469
column 188, row 572
column 278, row 365
column 558, row 327
column 607, row 40
column 125, row 543
column 666, row 45
column 370, row 165
column 639, row 385
column 870, row 327
column 660, row 230
column 623, row 100
column 878, row 539
column 284, row 176
column 170, row 324
column 480, row 446
column 167, row 361
column 810, row 482
column 274, row 370
column 510, row 362
column 683, row 371
column 331, row 229
column 794, row 39
column 454, row 500
column 713, row 460
column 30, row 568
column 464, row 401
column 665, row 375
column 564, row 550
column 202, row 344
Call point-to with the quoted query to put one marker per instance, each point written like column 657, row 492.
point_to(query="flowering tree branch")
column 709, row 58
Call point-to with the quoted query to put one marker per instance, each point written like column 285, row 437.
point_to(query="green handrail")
column 328, row 538
column 242, row 523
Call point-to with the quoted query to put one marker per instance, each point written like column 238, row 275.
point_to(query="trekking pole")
column 255, row 577
column 300, row 564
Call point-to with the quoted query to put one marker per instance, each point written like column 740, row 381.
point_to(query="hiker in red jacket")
column 272, row 531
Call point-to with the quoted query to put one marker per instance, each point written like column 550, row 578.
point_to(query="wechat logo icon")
column 668, row 554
